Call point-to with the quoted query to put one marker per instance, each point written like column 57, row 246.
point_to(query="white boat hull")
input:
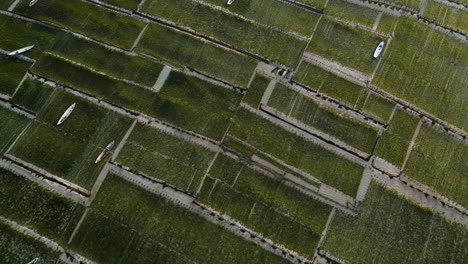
column 379, row 49
column 20, row 51
column 66, row 114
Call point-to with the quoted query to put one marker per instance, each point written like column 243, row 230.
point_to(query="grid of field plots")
column 244, row 131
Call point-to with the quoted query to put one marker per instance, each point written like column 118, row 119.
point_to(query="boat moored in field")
column 105, row 152
column 20, row 51
column 66, row 114
column 33, row 2
column 34, row 261
column 379, row 49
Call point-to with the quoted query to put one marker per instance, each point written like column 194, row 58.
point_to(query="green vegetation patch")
column 298, row 106
column 390, row 229
column 299, row 206
column 262, row 218
column 257, row 88
column 276, row 13
column 31, row 205
column 12, row 124
column 439, row 161
column 228, row 28
column 86, row 18
column 330, row 84
column 378, row 106
column 352, row 12
column 351, row 46
column 268, row 206
column 20, row 248
column 226, row 169
column 446, row 15
column 12, row 71
column 32, row 95
column 107, row 61
column 125, row 220
column 394, row 142
column 387, row 23
column 296, row 151
column 17, row 33
column 182, row 49
column 165, row 157
column 69, row 150
column 428, row 69
column 184, row 101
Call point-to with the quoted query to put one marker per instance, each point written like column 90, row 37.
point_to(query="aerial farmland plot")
column 233, row 131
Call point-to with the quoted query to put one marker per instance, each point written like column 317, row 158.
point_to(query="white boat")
column 229, row 2
column 20, row 51
column 378, row 49
column 66, row 114
column 34, row 261
column 105, row 151
column 33, row 2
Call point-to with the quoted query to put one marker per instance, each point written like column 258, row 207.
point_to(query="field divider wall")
column 264, row 111
column 421, row 194
column 46, row 241
column 17, row 109
column 45, row 182
column 315, row 132
column 47, row 175
column 323, row 193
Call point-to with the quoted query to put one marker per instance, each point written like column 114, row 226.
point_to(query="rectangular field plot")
column 17, row 33
column 165, row 157
column 328, row 167
column 256, row 90
column 86, row 18
column 439, row 161
column 446, row 15
column 276, row 13
column 69, row 150
column 32, row 95
column 182, row 49
column 128, row 224
column 31, row 205
column 345, row 91
column 352, row 12
column 262, row 218
column 394, row 142
column 12, row 71
column 387, row 23
column 351, row 46
column 325, row 82
column 228, row 28
column 378, row 106
column 309, row 112
column 184, row 101
column 390, row 229
column 16, row 247
column 110, row 62
column 428, row 69
column 12, row 124
column 266, row 205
